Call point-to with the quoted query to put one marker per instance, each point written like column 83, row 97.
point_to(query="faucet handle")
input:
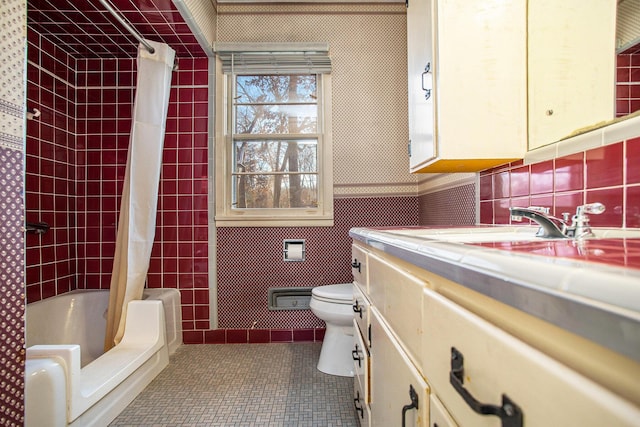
column 590, row 208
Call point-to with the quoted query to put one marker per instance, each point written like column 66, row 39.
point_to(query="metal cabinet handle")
column 356, row 401
column 355, row 354
column 413, row 405
column 356, row 264
column 357, row 308
column 510, row 414
column 425, row 73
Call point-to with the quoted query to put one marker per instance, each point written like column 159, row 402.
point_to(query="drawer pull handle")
column 510, row 414
column 357, row 308
column 413, row 405
column 356, row 402
column 356, row 356
column 356, row 264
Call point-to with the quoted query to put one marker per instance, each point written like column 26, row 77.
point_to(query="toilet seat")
column 336, row 294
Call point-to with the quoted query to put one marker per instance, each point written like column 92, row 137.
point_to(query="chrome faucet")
column 556, row 228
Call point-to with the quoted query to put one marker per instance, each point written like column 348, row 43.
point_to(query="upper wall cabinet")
column 572, row 65
column 489, row 79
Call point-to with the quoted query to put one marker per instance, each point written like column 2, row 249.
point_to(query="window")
column 274, row 164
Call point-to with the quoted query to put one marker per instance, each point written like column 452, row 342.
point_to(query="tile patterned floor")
column 243, row 385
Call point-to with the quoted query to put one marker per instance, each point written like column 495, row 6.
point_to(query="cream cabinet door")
column 468, row 359
column 398, row 297
column 476, row 116
column 571, row 66
column 361, row 307
column 398, row 391
column 359, row 261
column 361, row 379
column 438, row 414
column 420, row 84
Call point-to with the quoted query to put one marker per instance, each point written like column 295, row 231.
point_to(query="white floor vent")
column 292, row 298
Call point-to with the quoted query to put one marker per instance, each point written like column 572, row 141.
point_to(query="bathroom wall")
column 372, row 185
column 52, row 179
column 607, row 174
column 76, row 157
column 12, row 354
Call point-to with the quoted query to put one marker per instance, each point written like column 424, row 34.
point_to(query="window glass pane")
column 275, row 191
column 276, row 89
column 275, row 156
column 276, row 104
column 282, row 119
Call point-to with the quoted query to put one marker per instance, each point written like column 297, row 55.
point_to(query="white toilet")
column 334, row 305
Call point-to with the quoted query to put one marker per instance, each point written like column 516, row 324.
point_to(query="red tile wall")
column 179, row 256
column 76, row 156
column 606, row 174
column 628, row 82
column 51, row 192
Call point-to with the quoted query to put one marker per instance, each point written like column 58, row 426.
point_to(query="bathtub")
column 69, row 381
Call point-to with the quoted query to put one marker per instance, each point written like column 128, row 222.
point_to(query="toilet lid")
column 339, row 293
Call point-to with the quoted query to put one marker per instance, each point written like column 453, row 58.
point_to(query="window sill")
column 273, row 222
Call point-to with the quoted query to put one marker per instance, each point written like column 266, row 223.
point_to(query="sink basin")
column 498, row 234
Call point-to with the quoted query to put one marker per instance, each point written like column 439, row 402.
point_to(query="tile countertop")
column 589, row 287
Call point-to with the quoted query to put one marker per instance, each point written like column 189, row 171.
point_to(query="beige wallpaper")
column 368, row 52
column 200, row 15
column 13, row 22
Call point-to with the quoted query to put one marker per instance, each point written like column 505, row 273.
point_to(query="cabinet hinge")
column 409, row 148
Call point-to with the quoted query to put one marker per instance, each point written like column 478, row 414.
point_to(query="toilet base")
column 335, row 355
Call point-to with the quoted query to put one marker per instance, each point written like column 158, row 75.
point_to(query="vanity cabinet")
column 361, row 335
column 399, row 393
column 488, row 80
column 438, row 414
column 466, row 355
column 361, row 397
column 435, row 350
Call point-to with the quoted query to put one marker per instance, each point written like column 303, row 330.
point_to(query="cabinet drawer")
column 360, row 354
column 399, row 298
column 361, row 308
column 363, row 412
column 359, row 261
column 494, row 368
column 438, row 414
column 395, row 381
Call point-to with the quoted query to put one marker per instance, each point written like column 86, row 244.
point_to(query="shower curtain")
column 137, row 221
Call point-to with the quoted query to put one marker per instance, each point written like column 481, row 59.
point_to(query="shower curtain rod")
column 127, row 26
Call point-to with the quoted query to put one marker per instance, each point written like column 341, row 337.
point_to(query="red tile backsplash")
column 632, row 161
column 604, row 166
column 562, row 184
column 632, row 211
column 613, row 216
column 569, row 173
column 542, row 177
column 520, row 181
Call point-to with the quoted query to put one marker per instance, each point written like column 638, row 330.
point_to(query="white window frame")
column 226, row 215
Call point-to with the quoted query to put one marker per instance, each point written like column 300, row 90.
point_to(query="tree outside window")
column 275, row 141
